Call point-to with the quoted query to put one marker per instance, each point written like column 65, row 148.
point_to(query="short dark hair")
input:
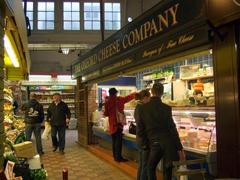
column 33, row 96
column 157, row 89
column 112, row 91
column 143, row 93
column 56, row 94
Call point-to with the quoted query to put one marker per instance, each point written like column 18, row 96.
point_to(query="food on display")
column 7, row 107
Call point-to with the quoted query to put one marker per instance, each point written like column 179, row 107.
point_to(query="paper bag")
column 47, row 131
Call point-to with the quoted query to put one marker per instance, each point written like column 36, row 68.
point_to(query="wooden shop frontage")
column 180, row 44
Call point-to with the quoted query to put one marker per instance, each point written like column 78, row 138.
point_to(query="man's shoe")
column 117, row 160
column 123, row 160
column 41, row 153
column 54, row 149
column 61, row 152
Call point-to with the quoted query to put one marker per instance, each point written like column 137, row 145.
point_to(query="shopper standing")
column 34, row 116
column 58, row 114
column 155, row 118
column 142, row 141
column 113, row 104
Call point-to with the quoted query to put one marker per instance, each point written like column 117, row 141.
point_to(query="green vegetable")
column 20, row 138
column 10, row 157
column 38, row 174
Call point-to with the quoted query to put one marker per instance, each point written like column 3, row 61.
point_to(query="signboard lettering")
column 111, row 55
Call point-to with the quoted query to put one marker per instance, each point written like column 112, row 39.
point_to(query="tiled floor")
column 81, row 164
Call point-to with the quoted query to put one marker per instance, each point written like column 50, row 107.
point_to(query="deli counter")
column 195, row 125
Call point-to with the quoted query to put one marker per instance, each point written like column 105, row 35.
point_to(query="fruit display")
column 13, row 125
column 8, row 96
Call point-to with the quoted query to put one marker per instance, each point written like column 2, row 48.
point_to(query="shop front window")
column 189, row 90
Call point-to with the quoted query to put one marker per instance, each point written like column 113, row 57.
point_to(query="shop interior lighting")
column 10, row 51
column 64, row 78
column 83, row 78
column 130, row 19
column 65, row 51
column 40, row 77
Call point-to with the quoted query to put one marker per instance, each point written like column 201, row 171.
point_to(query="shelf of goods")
column 46, row 92
column 13, row 125
column 17, row 152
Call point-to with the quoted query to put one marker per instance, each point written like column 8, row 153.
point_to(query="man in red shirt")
column 116, row 102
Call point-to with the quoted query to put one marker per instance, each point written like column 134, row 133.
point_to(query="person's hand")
column 67, row 120
column 181, row 155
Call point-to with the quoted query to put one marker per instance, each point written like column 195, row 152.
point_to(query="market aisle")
column 82, row 165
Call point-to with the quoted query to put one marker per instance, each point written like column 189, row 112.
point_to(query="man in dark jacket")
column 59, row 115
column 34, row 116
column 155, row 118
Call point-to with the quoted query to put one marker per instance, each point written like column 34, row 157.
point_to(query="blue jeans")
column 142, row 164
column 36, row 129
column 60, row 142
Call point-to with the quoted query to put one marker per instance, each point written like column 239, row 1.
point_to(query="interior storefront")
column 185, row 52
column 15, row 66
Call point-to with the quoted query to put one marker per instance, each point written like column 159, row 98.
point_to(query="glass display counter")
column 196, row 128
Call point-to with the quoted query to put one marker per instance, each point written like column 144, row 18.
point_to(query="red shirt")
column 110, row 110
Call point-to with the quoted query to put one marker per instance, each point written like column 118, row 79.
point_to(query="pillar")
column 86, row 104
column 226, row 65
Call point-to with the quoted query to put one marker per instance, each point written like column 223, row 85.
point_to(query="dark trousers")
column 60, row 142
column 117, row 145
column 36, row 129
column 155, row 155
column 142, row 164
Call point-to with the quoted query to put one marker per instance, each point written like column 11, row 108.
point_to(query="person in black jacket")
column 59, row 115
column 155, row 118
column 143, row 146
column 34, row 116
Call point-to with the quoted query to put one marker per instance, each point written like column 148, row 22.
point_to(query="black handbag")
column 21, row 168
column 132, row 128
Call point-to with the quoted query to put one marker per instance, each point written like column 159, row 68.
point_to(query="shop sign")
column 167, row 16
column 174, row 44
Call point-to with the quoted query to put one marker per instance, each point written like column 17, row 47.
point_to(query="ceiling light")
column 65, row 50
column 10, row 51
column 40, row 78
column 129, row 19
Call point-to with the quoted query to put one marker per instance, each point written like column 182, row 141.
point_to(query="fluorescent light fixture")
column 10, row 51
column 40, row 77
column 64, row 78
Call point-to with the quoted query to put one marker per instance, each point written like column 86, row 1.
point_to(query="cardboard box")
column 25, row 149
